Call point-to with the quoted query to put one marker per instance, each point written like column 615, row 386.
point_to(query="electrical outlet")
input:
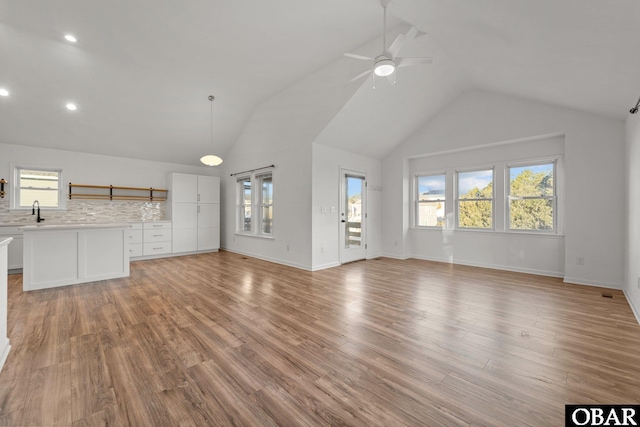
column 287, row 248
column 333, row 209
column 321, row 250
column 580, row 260
column 396, row 243
column 323, row 209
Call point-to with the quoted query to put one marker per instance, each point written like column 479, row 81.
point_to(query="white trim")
column 264, row 258
column 482, row 231
column 256, row 236
column 325, row 266
column 395, row 256
column 578, row 281
column 489, row 145
column 634, row 309
column 494, row 266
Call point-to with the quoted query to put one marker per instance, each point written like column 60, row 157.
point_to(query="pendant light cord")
column 211, row 98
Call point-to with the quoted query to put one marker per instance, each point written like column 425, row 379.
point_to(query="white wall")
column 632, row 265
column 281, row 132
column 538, row 254
column 83, row 168
column 327, row 163
column 593, row 169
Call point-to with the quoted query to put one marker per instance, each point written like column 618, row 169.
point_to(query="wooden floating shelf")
column 149, row 195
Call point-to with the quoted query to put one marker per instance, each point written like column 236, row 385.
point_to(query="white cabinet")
column 194, row 207
column 134, row 237
column 4, row 337
column 15, row 248
column 149, row 239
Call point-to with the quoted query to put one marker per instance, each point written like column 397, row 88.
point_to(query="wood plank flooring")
column 222, row 339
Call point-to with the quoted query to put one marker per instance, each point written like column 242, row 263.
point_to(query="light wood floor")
column 221, row 339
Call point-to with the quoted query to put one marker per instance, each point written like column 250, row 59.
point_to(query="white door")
column 208, row 189
column 185, row 227
column 208, row 226
column 183, row 188
column 353, row 214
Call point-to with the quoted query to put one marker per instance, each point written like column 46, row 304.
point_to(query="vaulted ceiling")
column 141, row 71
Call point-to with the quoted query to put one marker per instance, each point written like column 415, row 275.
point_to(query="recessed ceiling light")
column 71, row 106
column 70, row 38
column 4, row 92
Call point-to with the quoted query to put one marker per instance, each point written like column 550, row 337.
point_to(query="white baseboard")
column 636, row 311
column 325, row 266
column 395, row 256
column 264, row 258
column 578, row 281
column 495, row 266
column 4, row 351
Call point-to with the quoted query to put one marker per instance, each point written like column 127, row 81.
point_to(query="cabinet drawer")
column 135, row 236
column 160, row 235
column 156, row 248
column 135, row 225
column 157, row 225
column 135, row 249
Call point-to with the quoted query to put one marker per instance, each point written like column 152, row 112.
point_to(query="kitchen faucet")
column 33, row 211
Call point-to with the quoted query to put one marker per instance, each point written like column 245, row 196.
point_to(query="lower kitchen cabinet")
column 150, row 239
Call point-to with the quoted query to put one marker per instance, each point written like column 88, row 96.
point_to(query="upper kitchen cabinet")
column 194, row 208
column 184, row 188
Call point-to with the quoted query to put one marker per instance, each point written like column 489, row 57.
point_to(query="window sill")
column 257, row 236
column 508, row 233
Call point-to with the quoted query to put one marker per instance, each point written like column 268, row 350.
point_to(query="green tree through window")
column 531, row 198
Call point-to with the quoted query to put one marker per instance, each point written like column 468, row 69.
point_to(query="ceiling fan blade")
column 361, row 75
column 405, row 62
column 364, row 58
column 413, row 34
column 397, row 45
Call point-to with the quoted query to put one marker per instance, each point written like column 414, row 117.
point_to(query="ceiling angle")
column 386, row 64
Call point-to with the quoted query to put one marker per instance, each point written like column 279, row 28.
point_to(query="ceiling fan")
column 385, row 64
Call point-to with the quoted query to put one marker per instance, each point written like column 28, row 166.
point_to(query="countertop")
column 71, row 226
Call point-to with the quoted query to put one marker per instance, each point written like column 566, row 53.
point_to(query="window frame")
column 416, row 194
column 508, row 198
column 457, row 173
column 256, row 204
column 16, row 188
column 259, row 178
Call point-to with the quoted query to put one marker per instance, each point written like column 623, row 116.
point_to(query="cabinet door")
column 208, row 189
column 209, row 227
column 183, row 188
column 185, row 227
column 15, row 252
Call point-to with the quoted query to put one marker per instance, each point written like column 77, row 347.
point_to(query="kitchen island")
column 4, row 338
column 67, row 254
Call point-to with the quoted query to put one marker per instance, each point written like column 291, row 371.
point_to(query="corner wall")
column 632, row 265
column 327, row 162
column 593, row 170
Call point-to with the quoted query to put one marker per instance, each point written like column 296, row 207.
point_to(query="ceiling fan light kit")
column 384, row 67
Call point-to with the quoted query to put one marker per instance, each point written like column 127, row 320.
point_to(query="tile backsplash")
column 90, row 211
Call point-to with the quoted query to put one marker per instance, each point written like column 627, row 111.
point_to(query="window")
column 255, row 204
column 265, row 181
column 532, row 197
column 430, row 200
column 244, row 204
column 31, row 184
column 475, row 199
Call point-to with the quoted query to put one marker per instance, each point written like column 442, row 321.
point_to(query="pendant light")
column 211, row 159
